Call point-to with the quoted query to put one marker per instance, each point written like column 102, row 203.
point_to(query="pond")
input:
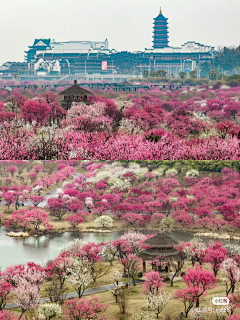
column 44, row 248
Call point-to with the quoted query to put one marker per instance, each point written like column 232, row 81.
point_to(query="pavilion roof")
column 75, row 90
column 150, row 255
column 161, row 240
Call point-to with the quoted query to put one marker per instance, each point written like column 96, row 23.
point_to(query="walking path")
column 75, row 295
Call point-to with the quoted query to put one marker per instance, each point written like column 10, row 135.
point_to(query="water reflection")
column 37, row 242
column 44, row 248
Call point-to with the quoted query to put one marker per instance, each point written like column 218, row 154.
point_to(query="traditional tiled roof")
column 150, row 255
column 161, row 240
column 43, row 42
column 75, row 90
column 161, row 17
column 160, row 245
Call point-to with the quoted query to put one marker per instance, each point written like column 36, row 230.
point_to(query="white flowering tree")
column 232, row 274
column 37, row 189
column 192, row 173
column 142, row 315
column 47, row 311
column 166, row 224
column 121, row 185
column 59, row 191
column 79, row 276
column 89, row 202
column 73, row 247
column 232, row 248
column 171, row 172
column 116, row 276
column 103, row 222
column 158, row 302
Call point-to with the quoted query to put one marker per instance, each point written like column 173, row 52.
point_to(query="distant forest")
column 228, row 59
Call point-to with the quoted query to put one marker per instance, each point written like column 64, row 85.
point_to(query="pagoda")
column 160, row 31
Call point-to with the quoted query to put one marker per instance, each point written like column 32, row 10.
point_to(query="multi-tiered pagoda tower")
column 160, row 31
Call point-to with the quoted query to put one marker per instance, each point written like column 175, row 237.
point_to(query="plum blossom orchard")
column 79, row 265
column 126, row 195
column 139, row 199
column 200, row 123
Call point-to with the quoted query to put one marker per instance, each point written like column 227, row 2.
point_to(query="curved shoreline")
column 19, row 234
column 215, row 235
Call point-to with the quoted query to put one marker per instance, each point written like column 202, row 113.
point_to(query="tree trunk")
column 197, row 303
column 21, row 314
column 134, row 282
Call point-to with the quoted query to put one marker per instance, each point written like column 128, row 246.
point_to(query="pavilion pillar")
column 144, row 266
column 168, row 273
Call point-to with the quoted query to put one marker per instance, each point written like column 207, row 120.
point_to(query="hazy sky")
column 126, row 23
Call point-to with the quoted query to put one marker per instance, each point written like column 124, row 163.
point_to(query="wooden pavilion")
column 160, row 245
column 74, row 94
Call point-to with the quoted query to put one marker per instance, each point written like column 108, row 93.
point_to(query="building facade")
column 80, row 58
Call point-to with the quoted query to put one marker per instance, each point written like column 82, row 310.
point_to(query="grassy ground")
column 137, row 298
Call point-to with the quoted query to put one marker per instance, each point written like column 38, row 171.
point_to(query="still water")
column 44, row 248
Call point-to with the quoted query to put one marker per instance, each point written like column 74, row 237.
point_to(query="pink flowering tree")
column 5, row 289
column 183, row 219
column 36, row 200
column 9, row 198
column 234, row 317
column 16, row 221
column 7, row 315
column 27, row 281
column 200, row 279
column 57, row 207
column 153, row 282
column 91, row 254
column 196, row 251
column 75, row 220
column 32, row 176
column 132, row 218
column 37, row 168
column 36, row 111
column 132, row 264
column 218, row 223
column 35, row 219
column 216, row 254
column 234, row 303
column 11, row 169
column 85, row 309
column 188, row 297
